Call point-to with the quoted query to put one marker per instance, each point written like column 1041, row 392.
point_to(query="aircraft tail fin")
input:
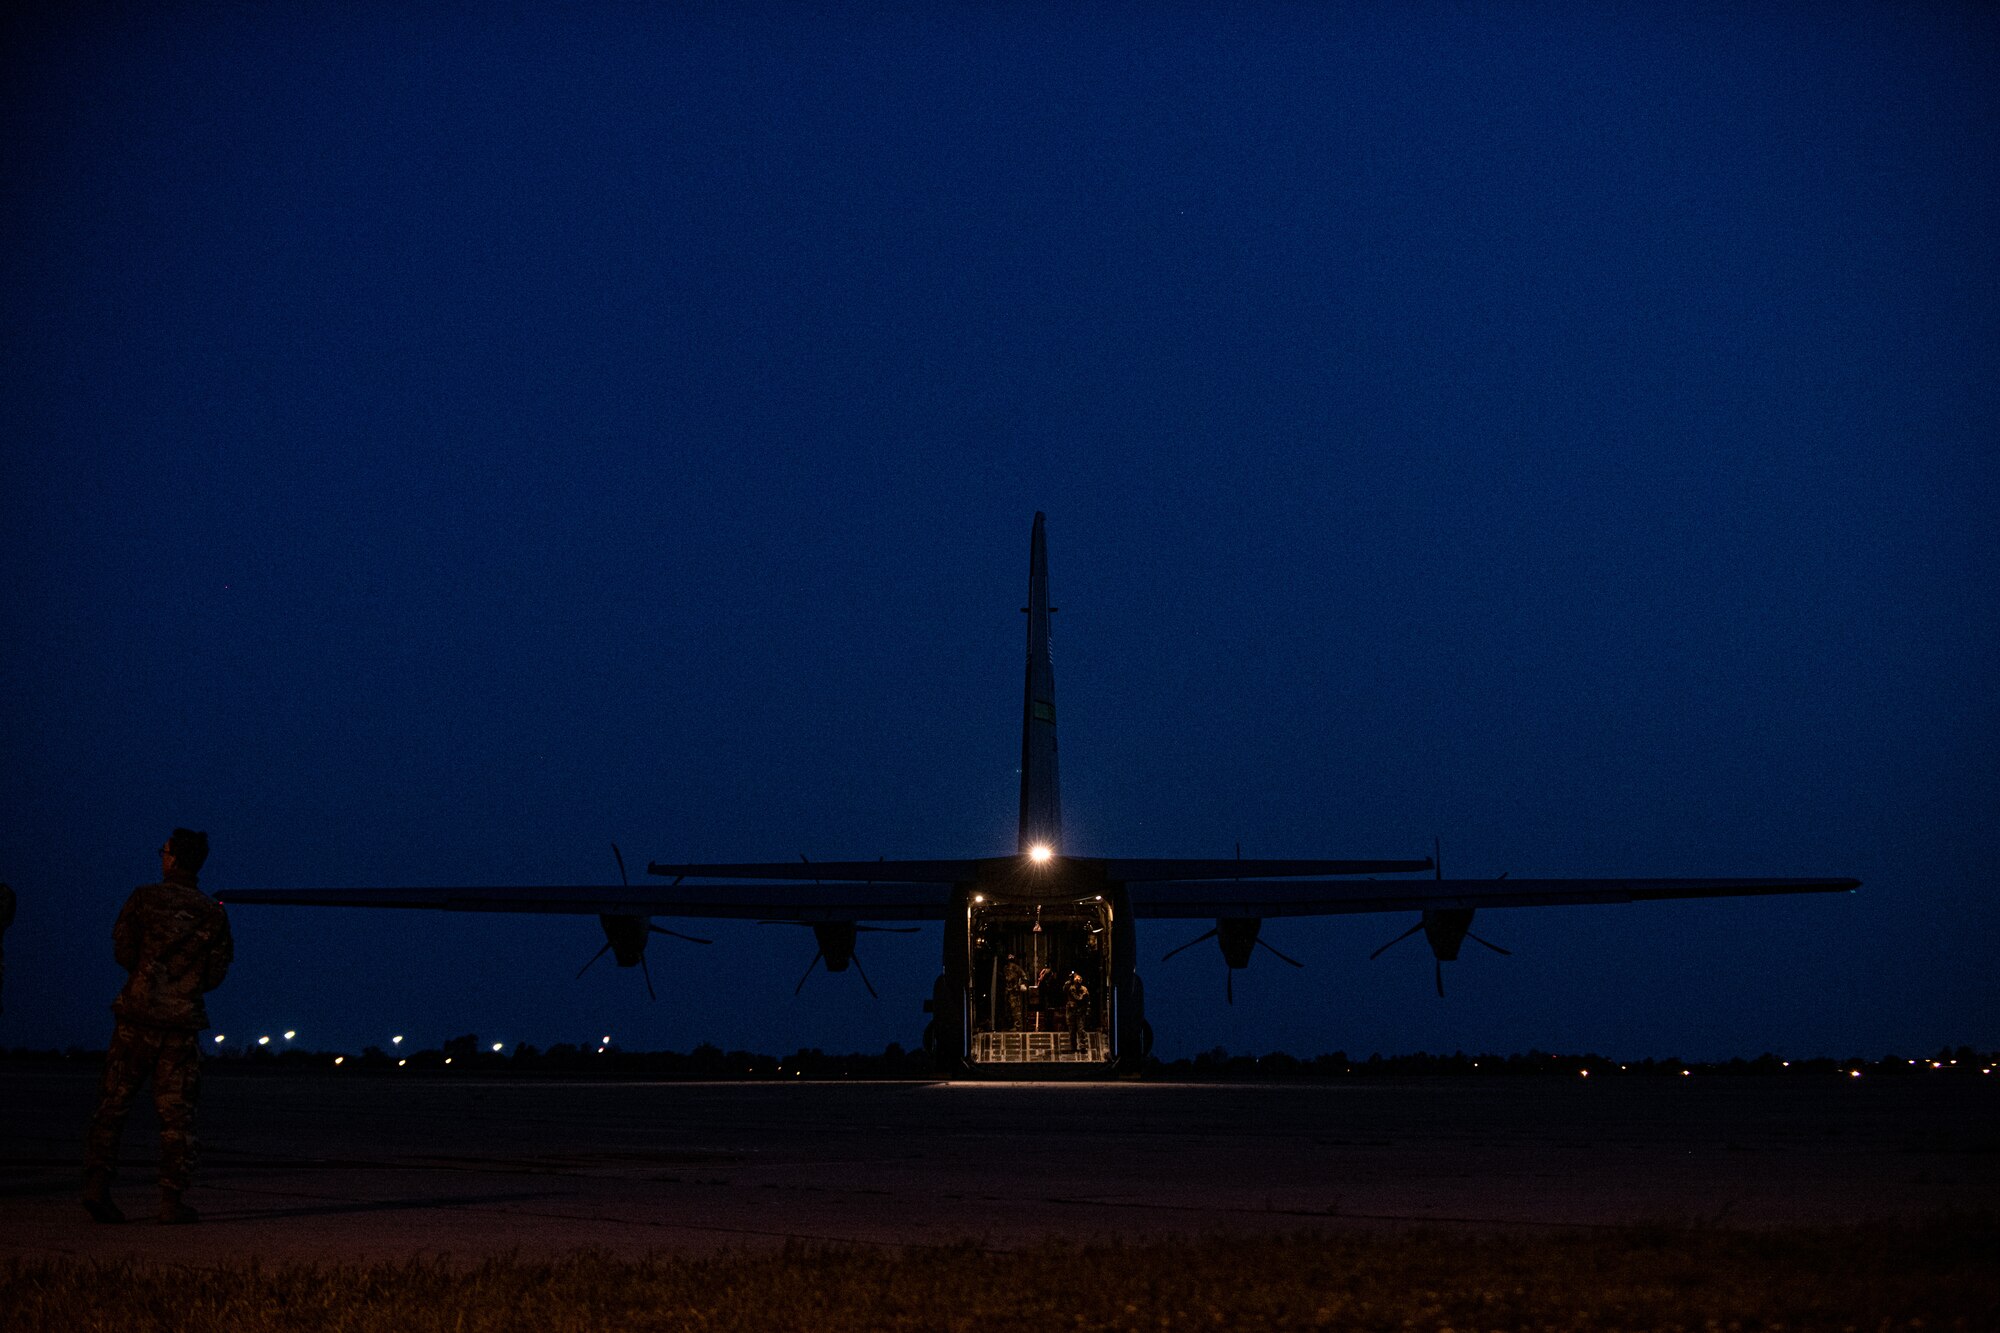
column 1041, row 798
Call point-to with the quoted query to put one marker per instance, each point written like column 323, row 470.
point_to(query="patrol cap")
column 189, row 847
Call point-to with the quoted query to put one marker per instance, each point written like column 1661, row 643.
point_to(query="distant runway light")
column 1686, row 1072
column 290, row 1033
column 1854, row 1073
column 401, row 1063
column 605, row 1040
column 496, row 1045
column 447, row 1059
column 263, row 1041
column 340, row 1059
column 1585, row 1073
column 218, row 1039
column 396, row 1040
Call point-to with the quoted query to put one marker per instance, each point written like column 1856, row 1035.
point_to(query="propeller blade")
column 621, row 865
column 1398, row 940
column 691, row 939
column 1189, row 945
column 1438, row 964
column 808, row 972
column 594, row 957
column 646, row 971
column 856, row 960
column 1489, row 944
column 1286, row 957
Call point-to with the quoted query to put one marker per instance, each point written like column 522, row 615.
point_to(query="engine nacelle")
column 626, row 936
column 1237, row 936
column 1445, row 929
column 836, row 943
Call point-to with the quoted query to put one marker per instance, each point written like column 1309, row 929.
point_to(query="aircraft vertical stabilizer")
column 1041, row 798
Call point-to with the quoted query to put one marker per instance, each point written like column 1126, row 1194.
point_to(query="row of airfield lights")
column 603, row 1045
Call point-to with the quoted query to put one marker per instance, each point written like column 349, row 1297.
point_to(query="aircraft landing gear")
column 945, row 1034
column 1135, row 1034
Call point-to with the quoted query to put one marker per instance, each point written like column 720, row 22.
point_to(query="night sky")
column 440, row 444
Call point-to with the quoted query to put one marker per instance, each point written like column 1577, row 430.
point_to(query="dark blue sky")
column 438, row 445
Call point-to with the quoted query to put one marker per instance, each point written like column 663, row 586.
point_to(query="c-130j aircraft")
column 1019, row 927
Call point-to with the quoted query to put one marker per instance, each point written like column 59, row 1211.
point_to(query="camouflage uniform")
column 174, row 940
column 1078, row 1008
column 1014, row 986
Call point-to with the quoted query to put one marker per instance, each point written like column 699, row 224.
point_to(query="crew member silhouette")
column 174, row 940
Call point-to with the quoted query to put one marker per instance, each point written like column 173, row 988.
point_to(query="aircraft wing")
column 933, row 873
column 1296, row 897
column 1129, row 869
column 966, row 871
column 752, row 902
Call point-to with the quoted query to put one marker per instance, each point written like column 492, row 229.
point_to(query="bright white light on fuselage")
column 1040, row 853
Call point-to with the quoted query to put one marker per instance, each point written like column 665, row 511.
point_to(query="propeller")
column 1208, row 934
column 1425, row 922
column 593, row 960
column 836, row 947
column 1238, row 936
column 631, row 932
column 1282, row 957
column 1398, row 940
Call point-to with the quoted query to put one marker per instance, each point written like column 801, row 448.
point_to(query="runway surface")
column 331, row 1168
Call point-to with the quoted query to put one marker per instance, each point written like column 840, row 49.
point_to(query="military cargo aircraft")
column 1040, row 945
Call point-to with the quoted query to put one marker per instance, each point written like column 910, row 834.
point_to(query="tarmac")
column 331, row 1167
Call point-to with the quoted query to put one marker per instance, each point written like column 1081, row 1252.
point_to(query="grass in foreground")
column 1941, row 1275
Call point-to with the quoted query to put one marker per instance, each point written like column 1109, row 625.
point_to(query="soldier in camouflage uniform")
column 1076, row 1008
column 1014, row 985
column 174, row 940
